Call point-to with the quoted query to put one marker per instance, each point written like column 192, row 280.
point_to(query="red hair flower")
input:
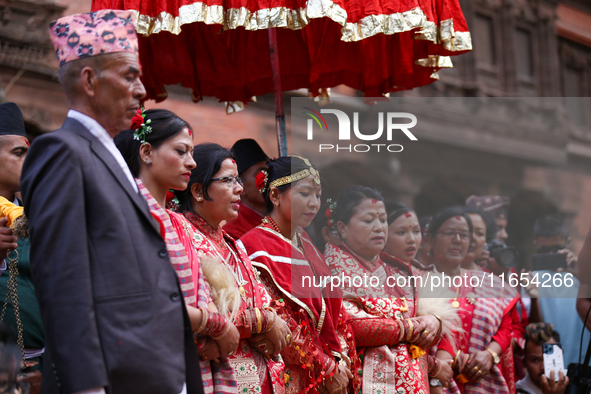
column 136, row 122
column 172, row 202
column 140, row 126
column 261, row 180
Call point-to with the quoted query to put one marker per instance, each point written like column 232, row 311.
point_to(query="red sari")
column 254, row 372
column 247, row 219
column 486, row 314
column 320, row 337
column 378, row 314
column 218, row 378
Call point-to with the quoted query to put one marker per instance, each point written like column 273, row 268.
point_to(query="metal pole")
column 279, row 113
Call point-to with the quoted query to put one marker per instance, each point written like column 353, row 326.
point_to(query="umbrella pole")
column 279, row 113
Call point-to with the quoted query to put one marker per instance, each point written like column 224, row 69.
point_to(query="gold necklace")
column 470, row 297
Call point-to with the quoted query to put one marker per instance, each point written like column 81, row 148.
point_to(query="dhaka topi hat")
column 497, row 205
column 248, row 153
column 95, row 33
column 11, row 120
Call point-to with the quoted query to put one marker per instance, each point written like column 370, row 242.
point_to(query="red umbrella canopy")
column 375, row 46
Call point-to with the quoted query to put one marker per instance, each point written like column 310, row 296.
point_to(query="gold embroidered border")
column 286, row 293
column 453, row 41
column 318, row 324
column 387, row 24
column 435, row 61
column 296, row 19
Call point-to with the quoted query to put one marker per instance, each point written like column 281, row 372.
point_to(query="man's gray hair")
column 69, row 73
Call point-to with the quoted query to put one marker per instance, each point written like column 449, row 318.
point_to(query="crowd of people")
column 151, row 265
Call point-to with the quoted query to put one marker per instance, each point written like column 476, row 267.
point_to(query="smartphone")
column 548, row 261
column 553, row 360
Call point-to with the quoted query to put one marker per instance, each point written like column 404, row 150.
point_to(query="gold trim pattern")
column 322, row 316
column 453, row 41
column 296, row 19
column 286, row 293
column 436, row 61
column 386, row 24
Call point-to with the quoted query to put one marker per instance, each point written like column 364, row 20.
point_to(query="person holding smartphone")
column 556, row 304
column 536, row 381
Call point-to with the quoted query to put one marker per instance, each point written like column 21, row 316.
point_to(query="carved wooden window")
column 573, row 86
column 484, row 40
column 575, row 62
column 524, row 63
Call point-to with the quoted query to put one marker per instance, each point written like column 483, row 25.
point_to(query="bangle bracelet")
column 224, row 331
column 204, row 317
column 259, row 320
column 411, row 329
column 437, row 367
column 401, row 330
column 440, row 325
column 270, row 327
column 453, row 365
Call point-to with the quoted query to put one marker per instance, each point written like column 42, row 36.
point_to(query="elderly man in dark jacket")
column 110, row 300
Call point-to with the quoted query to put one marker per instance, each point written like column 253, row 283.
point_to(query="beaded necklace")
column 274, row 226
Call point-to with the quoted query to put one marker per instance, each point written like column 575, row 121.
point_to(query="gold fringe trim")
column 234, row 106
column 295, row 19
column 386, row 24
column 453, row 41
column 436, row 61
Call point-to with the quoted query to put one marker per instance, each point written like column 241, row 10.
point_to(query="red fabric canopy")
column 373, row 46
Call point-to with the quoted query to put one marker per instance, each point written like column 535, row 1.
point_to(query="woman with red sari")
column 484, row 309
column 213, row 196
column 292, row 269
column 485, row 230
column 158, row 151
column 403, row 243
column 384, row 316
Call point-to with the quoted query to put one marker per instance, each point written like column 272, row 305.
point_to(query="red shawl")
column 247, row 219
column 292, row 274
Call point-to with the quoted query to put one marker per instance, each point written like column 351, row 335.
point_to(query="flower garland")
column 140, row 125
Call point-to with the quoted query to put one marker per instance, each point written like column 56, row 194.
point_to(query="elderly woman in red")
column 384, row 316
column 484, row 309
column 317, row 360
column 213, row 196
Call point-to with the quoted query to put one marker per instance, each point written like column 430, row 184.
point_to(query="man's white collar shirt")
column 101, row 134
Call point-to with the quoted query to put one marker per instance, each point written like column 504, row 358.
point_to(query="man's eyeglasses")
column 451, row 233
column 229, row 180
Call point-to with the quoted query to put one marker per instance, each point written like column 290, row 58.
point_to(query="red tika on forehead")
column 27, row 142
column 233, row 161
column 190, row 133
column 407, row 215
column 459, row 217
column 374, row 201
